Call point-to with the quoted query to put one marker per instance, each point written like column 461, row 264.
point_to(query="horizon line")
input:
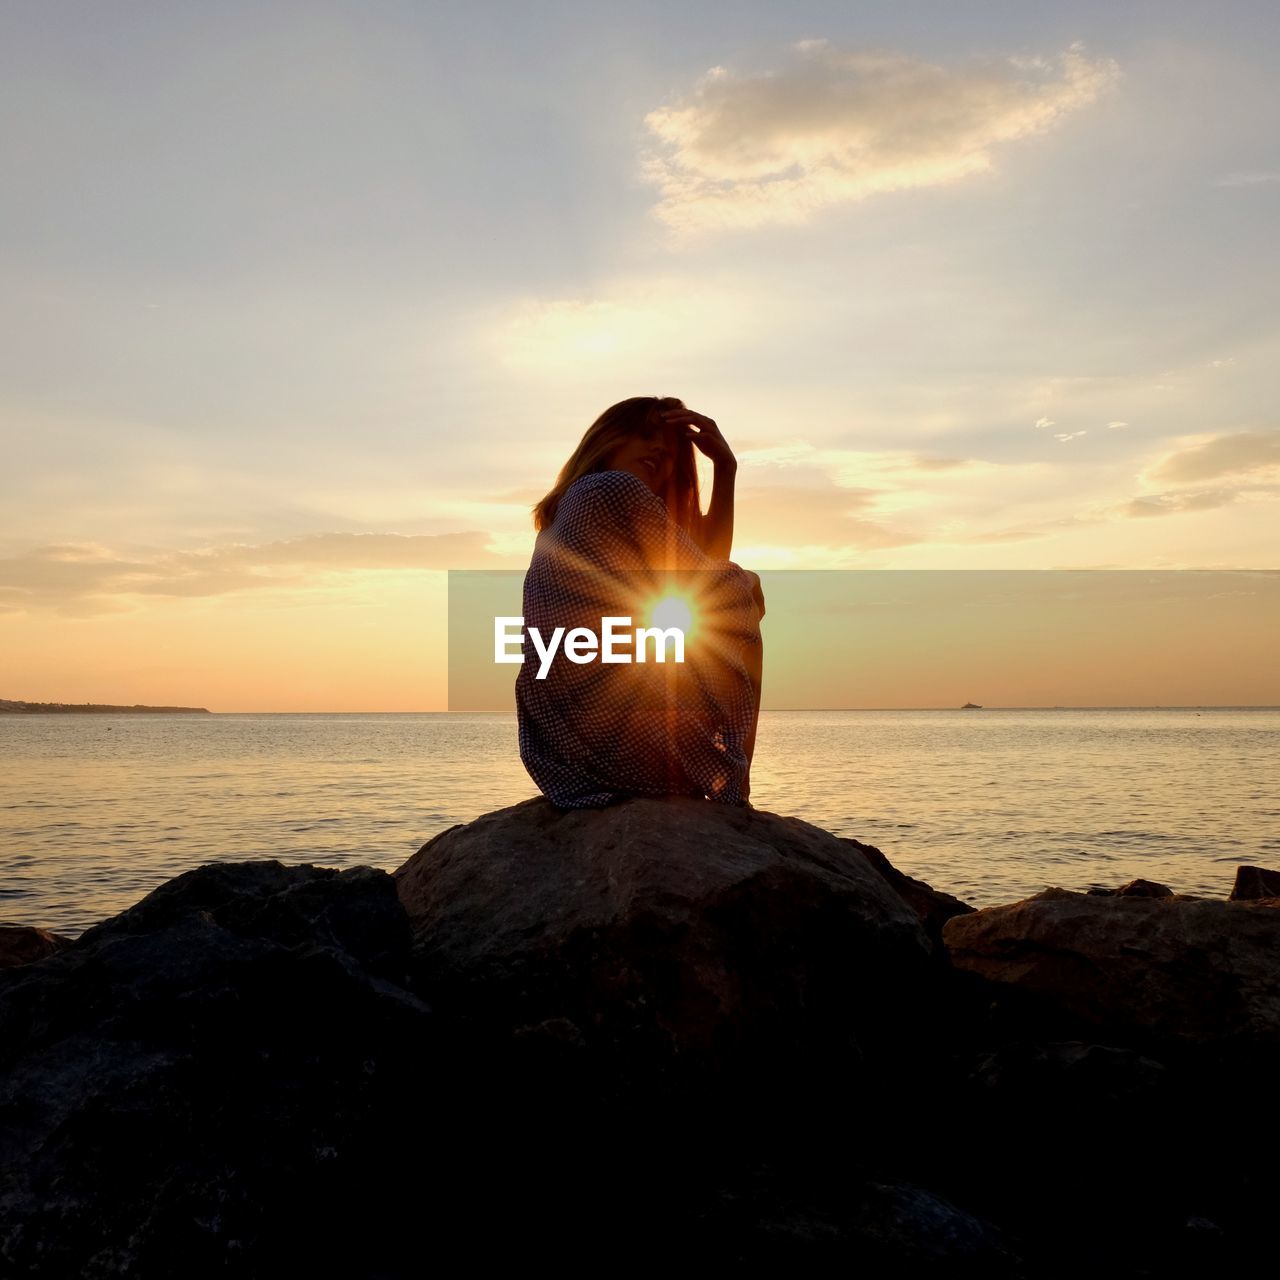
column 1118, row 706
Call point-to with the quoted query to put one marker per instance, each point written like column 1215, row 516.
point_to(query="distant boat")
column 972, row 706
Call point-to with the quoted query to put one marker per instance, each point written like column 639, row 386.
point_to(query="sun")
column 672, row 611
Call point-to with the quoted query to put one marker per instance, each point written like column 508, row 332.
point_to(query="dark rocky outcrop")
column 21, row 944
column 1133, row 889
column 738, row 1003
column 663, row 1035
column 824, row 1219
column 1108, row 1034
column 933, row 907
column 1255, row 882
column 191, row 1082
column 1144, row 888
column 673, row 936
column 1147, row 969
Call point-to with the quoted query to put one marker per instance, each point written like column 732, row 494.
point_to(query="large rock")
column 1135, row 969
column 1121, row 1040
column 1101, row 1155
column 240, row 1075
column 1256, row 882
column 673, row 935
column 933, row 906
column 823, row 1221
column 21, row 944
column 662, row 1034
column 194, row 1086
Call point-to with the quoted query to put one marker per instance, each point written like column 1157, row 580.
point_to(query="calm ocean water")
column 97, row 810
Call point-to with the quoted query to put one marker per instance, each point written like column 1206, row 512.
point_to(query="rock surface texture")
column 672, row 935
column 664, row 1035
column 1256, row 882
column 177, row 1084
column 20, row 944
column 1147, row 968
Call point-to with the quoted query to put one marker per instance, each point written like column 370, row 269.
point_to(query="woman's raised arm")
column 717, row 524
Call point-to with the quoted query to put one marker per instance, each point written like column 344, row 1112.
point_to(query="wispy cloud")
column 1247, row 178
column 1169, row 504
column 836, row 126
column 87, row 578
column 1030, row 531
column 815, row 515
column 1238, row 453
column 924, row 462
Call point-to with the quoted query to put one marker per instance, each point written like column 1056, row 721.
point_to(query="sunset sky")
column 305, row 304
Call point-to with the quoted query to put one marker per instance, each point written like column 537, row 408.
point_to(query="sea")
column 992, row 805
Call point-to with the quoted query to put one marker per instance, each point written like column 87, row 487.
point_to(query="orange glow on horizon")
column 378, row 641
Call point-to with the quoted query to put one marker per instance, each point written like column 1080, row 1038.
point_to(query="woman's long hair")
column 617, row 423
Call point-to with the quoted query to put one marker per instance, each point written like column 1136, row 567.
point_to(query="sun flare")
column 673, row 611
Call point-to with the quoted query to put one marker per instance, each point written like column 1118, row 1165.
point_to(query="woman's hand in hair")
column 704, row 433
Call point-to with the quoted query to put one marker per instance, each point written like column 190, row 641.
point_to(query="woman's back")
column 593, row 732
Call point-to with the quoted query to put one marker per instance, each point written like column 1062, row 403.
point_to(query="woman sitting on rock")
column 621, row 530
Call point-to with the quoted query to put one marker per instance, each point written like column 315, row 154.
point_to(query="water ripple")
column 992, row 809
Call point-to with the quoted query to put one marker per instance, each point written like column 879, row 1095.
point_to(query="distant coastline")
column 90, row 708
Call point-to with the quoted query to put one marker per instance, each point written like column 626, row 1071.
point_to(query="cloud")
column 517, row 497
column 1039, row 529
column 1240, row 453
column 1045, row 422
column 1247, row 178
column 794, row 453
column 924, row 462
column 359, row 551
column 836, row 126
column 1168, row 504
column 88, row 579
column 1064, row 436
column 1116, row 426
column 813, row 515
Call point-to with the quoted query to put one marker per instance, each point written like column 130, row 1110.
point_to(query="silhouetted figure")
column 621, row 529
